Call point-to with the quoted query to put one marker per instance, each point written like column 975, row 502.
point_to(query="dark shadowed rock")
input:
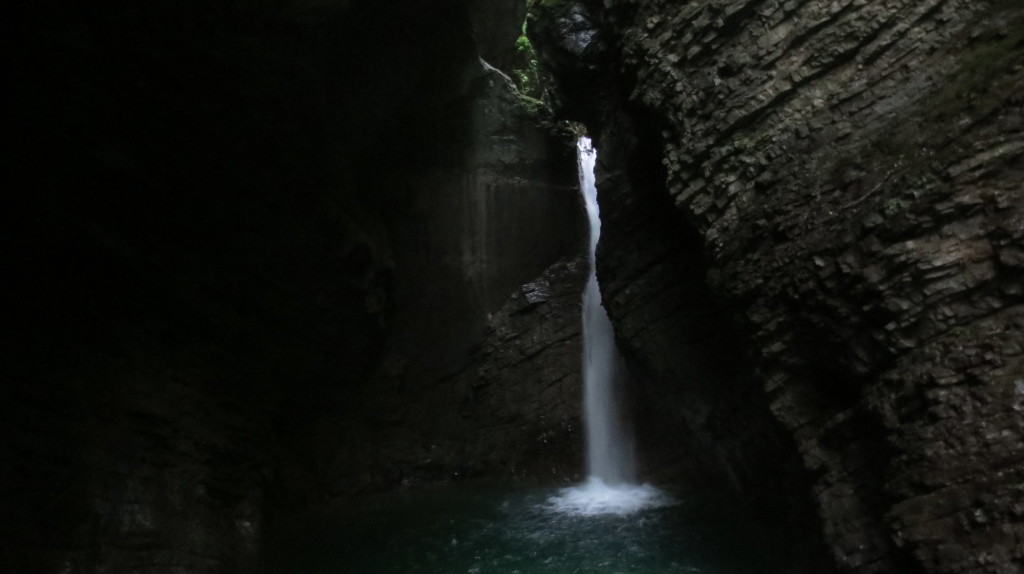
column 575, row 56
column 846, row 182
column 233, row 215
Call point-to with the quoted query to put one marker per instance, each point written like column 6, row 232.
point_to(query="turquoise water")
column 501, row 531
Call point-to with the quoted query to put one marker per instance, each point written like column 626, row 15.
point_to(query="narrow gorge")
column 297, row 286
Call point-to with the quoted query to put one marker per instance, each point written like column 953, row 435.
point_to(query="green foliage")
column 532, row 106
column 526, row 72
column 523, row 45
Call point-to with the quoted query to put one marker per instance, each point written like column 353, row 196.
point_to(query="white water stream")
column 610, row 486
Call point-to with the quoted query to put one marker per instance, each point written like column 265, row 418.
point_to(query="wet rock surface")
column 850, row 174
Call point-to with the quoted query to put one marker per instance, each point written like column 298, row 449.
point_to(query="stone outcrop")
column 842, row 182
column 511, row 409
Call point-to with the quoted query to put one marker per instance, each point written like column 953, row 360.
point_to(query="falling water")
column 590, row 527
column 609, row 445
column 611, row 471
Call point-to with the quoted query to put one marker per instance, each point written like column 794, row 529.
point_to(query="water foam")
column 596, row 497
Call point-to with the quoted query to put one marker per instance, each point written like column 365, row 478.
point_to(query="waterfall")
column 609, row 444
column 610, row 487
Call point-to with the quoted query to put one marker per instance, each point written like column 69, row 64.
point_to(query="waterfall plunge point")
column 610, row 486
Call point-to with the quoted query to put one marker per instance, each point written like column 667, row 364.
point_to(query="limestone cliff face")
column 842, row 182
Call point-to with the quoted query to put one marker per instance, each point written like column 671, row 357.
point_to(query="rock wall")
column 490, row 201
column 224, row 213
column 511, row 410
column 467, row 231
column 846, row 184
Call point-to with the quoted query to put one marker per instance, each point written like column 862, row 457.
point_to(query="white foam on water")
column 609, row 456
column 596, row 497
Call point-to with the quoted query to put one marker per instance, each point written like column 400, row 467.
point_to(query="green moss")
column 530, row 105
column 526, row 72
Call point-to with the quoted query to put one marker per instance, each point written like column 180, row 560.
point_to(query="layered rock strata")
column 848, row 177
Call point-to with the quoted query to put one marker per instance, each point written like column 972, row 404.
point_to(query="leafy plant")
column 526, row 72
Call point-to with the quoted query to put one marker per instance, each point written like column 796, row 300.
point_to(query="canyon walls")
column 815, row 215
column 250, row 240
column 269, row 256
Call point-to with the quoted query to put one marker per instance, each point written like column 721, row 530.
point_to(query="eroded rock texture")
column 846, row 179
